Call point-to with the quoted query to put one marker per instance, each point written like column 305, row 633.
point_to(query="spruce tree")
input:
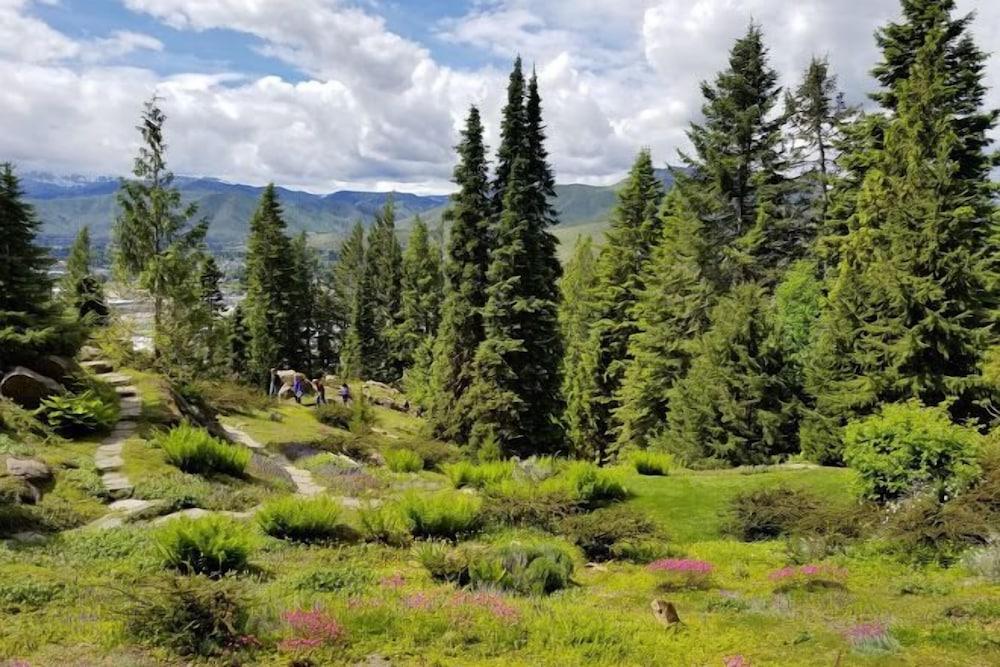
column 466, row 263
column 80, row 287
column 154, row 233
column 379, row 299
column 346, row 280
column 734, row 405
column 211, row 285
column 421, row 293
column 513, row 124
column 671, row 312
column 910, row 314
column 268, row 306
column 576, row 317
column 239, row 342
column 634, row 232
column 302, row 288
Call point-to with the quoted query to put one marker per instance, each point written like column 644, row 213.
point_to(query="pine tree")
column 154, row 232
column 461, row 329
column 576, row 317
column 634, row 232
column 734, row 406
column 302, row 289
column 211, row 285
column 670, row 314
column 268, row 307
column 379, row 299
column 239, row 342
column 910, row 314
column 421, row 293
column 80, row 287
column 736, row 155
column 513, row 126
column 346, row 279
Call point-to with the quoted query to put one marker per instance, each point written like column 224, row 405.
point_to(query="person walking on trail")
column 320, row 391
column 345, row 393
column 275, row 383
column 297, row 388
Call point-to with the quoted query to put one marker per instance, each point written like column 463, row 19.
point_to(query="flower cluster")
column 871, row 638
column 311, row 629
column 809, row 576
column 393, row 581
column 735, row 661
column 421, row 601
column 682, row 572
column 491, row 602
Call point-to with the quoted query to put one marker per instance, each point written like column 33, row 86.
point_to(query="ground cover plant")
column 194, row 450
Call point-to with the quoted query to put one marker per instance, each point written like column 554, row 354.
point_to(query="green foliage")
column 385, row 524
column 17, row 597
column 362, row 415
column 527, row 504
column 302, row 519
column 77, row 414
column 194, row 450
column 374, row 317
column 769, row 512
column 403, row 460
column 350, row 578
column 421, row 285
column 478, row 476
column 227, row 397
column 190, row 615
column 908, row 446
column 441, row 515
column 529, row 568
column 614, row 532
column 588, row 484
column 434, row 453
column 335, row 414
column 80, row 286
column 180, row 490
column 211, row 545
column 346, row 279
column 652, row 463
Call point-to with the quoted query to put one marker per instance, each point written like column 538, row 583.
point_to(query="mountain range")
column 65, row 204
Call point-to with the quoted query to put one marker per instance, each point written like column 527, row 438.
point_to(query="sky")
column 324, row 95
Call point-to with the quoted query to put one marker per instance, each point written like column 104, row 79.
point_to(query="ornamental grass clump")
column 871, row 639
column 808, row 577
column 445, row 515
column 194, row 450
column 657, row 464
column 403, row 460
column 211, row 545
column 479, row 475
column 682, row 573
column 303, row 519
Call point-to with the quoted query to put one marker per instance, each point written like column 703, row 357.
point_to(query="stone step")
column 98, row 366
column 117, row 485
column 105, row 464
column 114, row 379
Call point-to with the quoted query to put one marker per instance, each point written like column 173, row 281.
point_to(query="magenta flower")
column 495, row 604
column 421, row 601
column 735, row 661
column 311, row 629
column 680, row 565
column 871, row 638
column 809, row 576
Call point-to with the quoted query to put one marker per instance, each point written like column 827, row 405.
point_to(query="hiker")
column 345, row 393
column 320, row 391
column 297, row 388
column 275, row 383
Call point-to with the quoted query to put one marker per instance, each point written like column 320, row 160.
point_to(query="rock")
column 30, row 470
column 114, row 379
column 15, row 489
column 666, row 613
column 52, row 366
column 98, row 366
column 29, row 538
column 89, row 353
column 27, row 388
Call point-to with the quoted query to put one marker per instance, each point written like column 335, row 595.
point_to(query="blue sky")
column 331, row 94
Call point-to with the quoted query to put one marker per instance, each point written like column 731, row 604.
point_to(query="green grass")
column 691, row 505
column 295, row 423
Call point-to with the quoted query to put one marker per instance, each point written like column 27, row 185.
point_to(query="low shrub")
column 442, row 515
column 190, row 615
column 178, row 490
column 925, row 529
column 362, row 416
column 77, row 414
column 403, row 460
column 614, row 532
column 194, row 450
column 524, row 504
column 434, row 453
column 384, row 524
column 445, row 563
column 808, row 577
column 537, row 568
column 335, row 414
column 17, row 597
column 350, row 579
column 769, row 512
column 303, row 519
column 871, row 639
column 682, row 573
column 589, row 484
column 908, row 446
column 479, row 475
column 209, row 545
column 652, row 463
column 227, row 397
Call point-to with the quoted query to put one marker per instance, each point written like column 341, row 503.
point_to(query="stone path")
column 305, row 485
column 108, row 457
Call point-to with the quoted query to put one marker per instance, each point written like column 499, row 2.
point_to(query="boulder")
column 52, row 366
column 27, row 388
column 30, row 470
column 89, row 353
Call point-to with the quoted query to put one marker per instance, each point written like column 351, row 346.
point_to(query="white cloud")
column 379, row 110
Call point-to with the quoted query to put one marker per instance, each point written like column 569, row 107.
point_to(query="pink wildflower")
column 680, row 565
column 421, row 601
column 395, row 580
column 807, row 575
column 491, row 602
column 872, row 637
column 311, row 629
column 735, row 661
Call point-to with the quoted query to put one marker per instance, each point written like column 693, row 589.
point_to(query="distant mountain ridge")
column 65, row 204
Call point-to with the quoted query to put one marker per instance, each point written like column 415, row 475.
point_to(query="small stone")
column 29, row 470
column 98, row 366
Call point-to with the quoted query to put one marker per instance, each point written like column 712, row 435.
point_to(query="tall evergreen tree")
column 239, row 342
column 576, row 317
column 302, row 288
column 910, row 312
column 267, row 307
column 346, row 278
column 211, row 285
column 80, row 287
column 634, row 232
column 670, row 314
column 734, row 405
column 421, row 293
column 469, row 243
column 513, row 124
column 154, row 231
column 379, row 299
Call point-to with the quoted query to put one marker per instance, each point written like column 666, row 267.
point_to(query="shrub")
column 180, row 490
column 513, row 503
column 808, row 577
column 527, row 568
column 615, row 532
column 927, row 530
column 682, row 573
column 443, row 515
column 336, row 415
column 403, row 460
column 362, row 416
column 433, row 452
column 209, row 545
column 227, row 397
column 78, row 414
column 479, row 475
column 384, row 524
column 190, row 615
column 589, row 484
column 302, row 519
column 908, row 446
column 767, row 513
column 652, row 463
column 351, row 579
column 443, row 562
column 194, row 450
column 871, row 639
column 16, row 597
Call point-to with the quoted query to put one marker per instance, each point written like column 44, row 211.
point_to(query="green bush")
column 434, row 452
column 303, row 519
column 614, row 532
column 652, row 463
column 336, row 415
column 908, row 446
column 385, row 524
column 77, row 414
column 525, row 504
column 362, row 415
column 442, row 515
column 227, row 397
column 190, row 615
column 403, row 460
column 443, row 562
column 479, row 475
column 209, row 545
column 589, row 484
column 537, row 568
column 179, row 490
column 350, row 578
column 194, row 450
column 16, row 597
column 767, row 513
column 925, row 529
